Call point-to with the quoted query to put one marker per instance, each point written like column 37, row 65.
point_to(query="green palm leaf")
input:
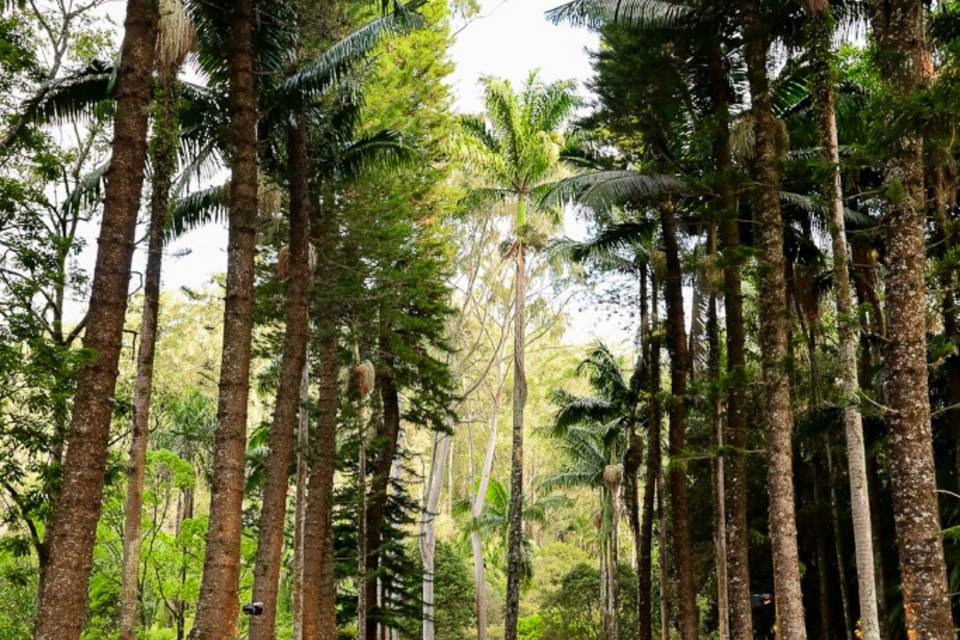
column 595, row 14
column 600, row 190
column 197, row 210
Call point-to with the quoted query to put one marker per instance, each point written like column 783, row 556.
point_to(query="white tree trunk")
column 428, row 533
column 478, row 501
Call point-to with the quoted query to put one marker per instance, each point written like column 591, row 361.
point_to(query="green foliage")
column 572, row 609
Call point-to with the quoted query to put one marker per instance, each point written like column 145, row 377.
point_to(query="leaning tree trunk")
column 164, row 160
column 821, row 31
column 768, row 146
column 735, row 466
column 217, row 607
column 479, row 499
column 651, row 480
column 62, row 598
column 899, row 32
column 515, row 511
column 319, row 596
column 266, row 571
column 679, row 364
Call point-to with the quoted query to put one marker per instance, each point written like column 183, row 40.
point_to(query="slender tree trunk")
column 735, row 467
column 428, row 530
column 768, row 146
column 826, row 628
column 318, row 614
column 303, row 439
column 217, row 607
column 821, row 30
column 515, row 514
column 164, row 161
column 61, row 602
column 633, row 457
column 476, row 507
column 652, row 473
column 719, row 475
column 679, row 364
column 849, row 622
column 664, row 573
column 266, row 572
column 899, row 32
column 387, row 439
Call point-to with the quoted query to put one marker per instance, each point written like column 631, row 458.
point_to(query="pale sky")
column 508, row 39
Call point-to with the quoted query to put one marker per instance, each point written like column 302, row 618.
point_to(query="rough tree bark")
column 164, row 160
column 652, row 474
column 266, row 571
column 318, row 613
column 62, row 597
column 821, row 32
column 515, row 512
column 218, row 605
column 679, row 365
column 735, row 466
column 898, row 28
column 765, row 165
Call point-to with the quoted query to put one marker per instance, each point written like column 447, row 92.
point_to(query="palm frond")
column 384, row 150
column 594, row 14
column 73, row 97
column 197, row 210
column 574, row 411
column 89, row 190
column 600, row 190
column 318, row 75
column 813, row 205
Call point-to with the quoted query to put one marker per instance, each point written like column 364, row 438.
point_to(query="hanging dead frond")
column 176, row 36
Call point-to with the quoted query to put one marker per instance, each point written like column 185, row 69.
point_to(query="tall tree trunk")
column 899, row 33
column 652, row 473
column 849, row 622
column 300, row 502
column 164, row 160
column 632, row 457
column 318, row 615
column 428, row 530
column 821, row 31
column 217, row 607
column 735, row 467
column 61, row 602
column 719, row 464
column 266, row 571
column 679, row 364
column 387, row 438
column 826, row 628
column 478, row 501
column 768, row 145
column 515, row 512
column 664, row 573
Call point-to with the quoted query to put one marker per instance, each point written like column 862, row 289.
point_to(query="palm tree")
column 63, row 586
column 820, row 27
column 592, row 431
column 517, row 146
column 217, row 607
column 899, row 31
column 765, row 159
column 624, row 246
column 174, row 42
